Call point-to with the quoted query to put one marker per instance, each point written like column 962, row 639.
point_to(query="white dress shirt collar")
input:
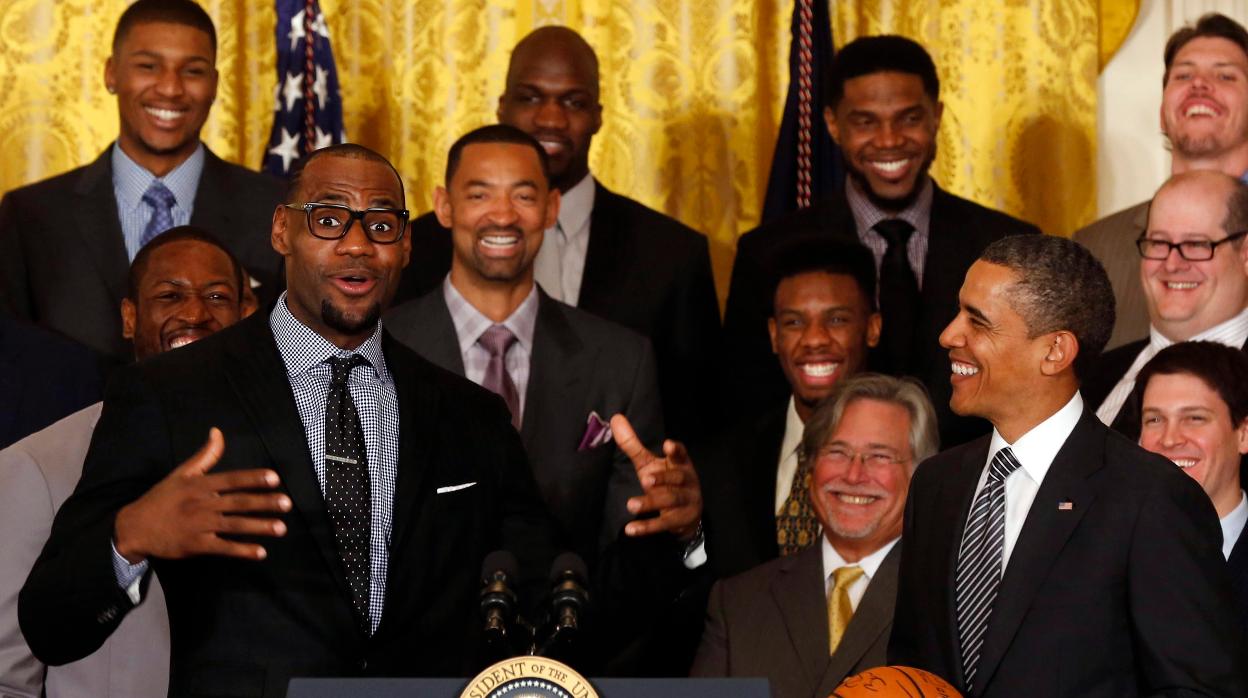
column 1036, row 449
column 870, row 564
column 1232, row 333
column 1233, row 525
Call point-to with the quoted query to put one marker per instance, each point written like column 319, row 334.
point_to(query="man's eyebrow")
column 976, row 313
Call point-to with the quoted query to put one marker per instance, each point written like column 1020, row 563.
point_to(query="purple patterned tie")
column 161, row 200
column 497, row 340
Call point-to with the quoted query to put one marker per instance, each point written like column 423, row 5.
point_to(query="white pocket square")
column 455, row 488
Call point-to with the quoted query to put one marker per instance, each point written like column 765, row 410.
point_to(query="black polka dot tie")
column 348, row 493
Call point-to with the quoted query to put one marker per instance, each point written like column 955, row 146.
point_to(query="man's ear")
column 129, row 318
column 875, row 322
column 442, row 206
column 1241, row 436
column 829, row 120
column 1062, row 348
column 553, row 201
column 279, row 231
column 110, row 75
column 771, row 330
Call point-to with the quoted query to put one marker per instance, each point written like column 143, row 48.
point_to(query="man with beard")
column 68, row 241
column 1204, row 116
column 335, row 520
column 882, row 107
column 605, row 254
column 562, row 372
column 183, row 286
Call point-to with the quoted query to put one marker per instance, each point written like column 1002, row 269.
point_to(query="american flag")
column 307, row 106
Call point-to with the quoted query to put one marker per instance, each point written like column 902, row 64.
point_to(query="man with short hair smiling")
column 809, row 620
column 1194, row 406
column 1194, row 270
column 183, row 287
column 883, row 109
column 69, row 240
column 1204, row 118
column 1054, row 557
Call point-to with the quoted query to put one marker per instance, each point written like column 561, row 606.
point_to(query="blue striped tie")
column 980, row 562
column 161, row 200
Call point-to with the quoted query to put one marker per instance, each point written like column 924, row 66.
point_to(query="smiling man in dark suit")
column 68, row 241
column 809, row 620
column 883, row 109
column 335, row 521
column 605, row 253
column 563, row 372
column 1055, row 557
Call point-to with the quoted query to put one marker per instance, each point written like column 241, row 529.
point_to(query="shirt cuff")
column 128, row 576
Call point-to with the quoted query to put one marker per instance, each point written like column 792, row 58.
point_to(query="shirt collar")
column 793, row 428
column 1233, row 525
column 470, row 323
column 869, row 564
column 1036, row 449
column 302, row 348
column 576, row 205
column 131, row 180
column 867, row 214
column 1232, row 333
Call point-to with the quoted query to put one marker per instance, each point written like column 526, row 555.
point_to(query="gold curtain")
column 692, row 92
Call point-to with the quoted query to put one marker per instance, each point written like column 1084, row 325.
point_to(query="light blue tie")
column 161, row 200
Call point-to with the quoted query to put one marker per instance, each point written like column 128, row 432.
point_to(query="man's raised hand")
column 669, row 485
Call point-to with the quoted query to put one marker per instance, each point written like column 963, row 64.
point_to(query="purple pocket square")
column 597, row 432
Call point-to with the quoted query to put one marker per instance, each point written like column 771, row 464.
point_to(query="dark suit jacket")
column 244, row 628
column 1112, row 240
column 43, row 377
column 1124, row 594
column 65, row 266
column 1238, row 563
column 959, row 232
column 643, row 270
column 773, row 621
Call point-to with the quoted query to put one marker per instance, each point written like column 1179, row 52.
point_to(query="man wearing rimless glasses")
column 1194, row 273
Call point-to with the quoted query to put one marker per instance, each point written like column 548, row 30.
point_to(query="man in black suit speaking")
column 335, row 521
column 1055, row 557
column 68, row 241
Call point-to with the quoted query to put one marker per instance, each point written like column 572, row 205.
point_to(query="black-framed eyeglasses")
column 1191, row 250
column 384, row 226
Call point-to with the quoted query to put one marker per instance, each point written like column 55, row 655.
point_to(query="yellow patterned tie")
column 796, row 525
column 839, row 608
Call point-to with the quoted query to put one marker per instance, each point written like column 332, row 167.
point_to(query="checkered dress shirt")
column 130, row 181
column 918, row 214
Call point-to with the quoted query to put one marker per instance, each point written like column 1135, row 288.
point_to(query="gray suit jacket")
column 36, row 475
column 1112, row 240
column 772, row 621
column 580, row 364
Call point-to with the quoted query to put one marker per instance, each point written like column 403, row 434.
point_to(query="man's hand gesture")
column 186, row 513
column 670, row 485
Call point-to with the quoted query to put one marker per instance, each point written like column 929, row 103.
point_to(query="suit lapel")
column 873, row 616
column 1043, row 535
column 799, row 593
column 99, row 225
column 427, row 328
column 257, row 374
column 10, row 379
column 760, row 480
column 212, row 209
column 554, row 372
column 606, row 244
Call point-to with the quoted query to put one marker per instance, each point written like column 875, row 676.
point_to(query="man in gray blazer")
column 184, row 287
column 66, row 242
column 1204, row 117
column 809, row 620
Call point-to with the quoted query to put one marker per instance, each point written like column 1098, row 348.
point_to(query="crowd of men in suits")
column 312, row 438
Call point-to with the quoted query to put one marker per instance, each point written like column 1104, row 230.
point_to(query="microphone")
column 568, row 596
column 498, row 601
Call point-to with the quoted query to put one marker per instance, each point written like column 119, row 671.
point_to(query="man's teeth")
column 164, row 114
column 1200, row 110
column 499, row 242
column 890, row 166
column 964, row 369
column 1184, row 462
column 822, row 370
column 1181, row 285
column 181, row 341
column 856, row 498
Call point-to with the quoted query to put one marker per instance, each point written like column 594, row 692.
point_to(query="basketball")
column 895, row 682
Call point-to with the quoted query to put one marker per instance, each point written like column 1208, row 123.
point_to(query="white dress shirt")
column 869, row 564
column 787, row 468
column 1035, row 451
column 1233, row 525
column 1232, row 333
column 560, row 263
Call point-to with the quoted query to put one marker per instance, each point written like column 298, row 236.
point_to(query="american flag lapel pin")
column 1065, row 505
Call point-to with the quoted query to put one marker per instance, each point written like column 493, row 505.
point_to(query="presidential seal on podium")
column 529, row 677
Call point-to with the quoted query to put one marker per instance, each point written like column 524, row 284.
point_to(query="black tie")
column 899, row 296
column 348, row 495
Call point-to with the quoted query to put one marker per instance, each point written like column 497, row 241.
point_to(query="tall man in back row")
column 1055, row 557
column 606, row 254
column 66, row 243
column 883, row 109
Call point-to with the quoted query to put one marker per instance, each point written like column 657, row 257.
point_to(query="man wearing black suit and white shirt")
column 562, row 372
column 1194, row 270
column 335, row 521
column 606, row 254
column 68, row 241
column 1055, row 557
column 883, row 109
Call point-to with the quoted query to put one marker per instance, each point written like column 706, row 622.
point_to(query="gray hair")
column 907, row 393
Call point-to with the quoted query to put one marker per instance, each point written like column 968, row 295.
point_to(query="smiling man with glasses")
column 1194, row 273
